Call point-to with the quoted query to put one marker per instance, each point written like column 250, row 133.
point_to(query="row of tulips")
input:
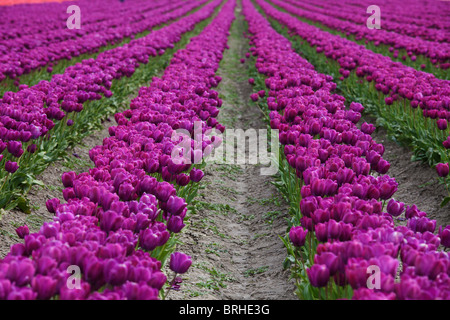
column 359, row 16
column 22, row 23
column 19, row 21
column 416, row 107
column 415, row 12
column 32, row 116
column 335, row 174
column 45, row 54
column 118, row 223
column 438, row 53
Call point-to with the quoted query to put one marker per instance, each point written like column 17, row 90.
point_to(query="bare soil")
column 236, row 250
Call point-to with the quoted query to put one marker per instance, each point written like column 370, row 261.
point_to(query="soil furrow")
column 237, row 252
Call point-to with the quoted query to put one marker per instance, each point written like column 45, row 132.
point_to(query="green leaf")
column 24, row 205
column 445, row 201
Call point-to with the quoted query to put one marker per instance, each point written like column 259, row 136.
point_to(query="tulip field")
column 111, row 111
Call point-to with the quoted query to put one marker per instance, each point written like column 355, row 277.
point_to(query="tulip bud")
column 22, row 231
column 318, row 275
column 444, row 234
column 442, row 124
column 395, row 208
column 196, row 175
column 442, row 169
column 297, row 235
column 11, row 167
column 180, row 262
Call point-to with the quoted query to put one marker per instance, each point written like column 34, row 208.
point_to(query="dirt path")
column 234, row 228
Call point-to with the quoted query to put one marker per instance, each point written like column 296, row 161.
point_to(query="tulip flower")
column 179, row 262
column 395, row 208
column 442, row 169
column 318, row 275
column 15, row 148
column 297, row 235
column 444, row 234
column 254, row 97
column 196, row 175
column 22, row 231
column 442, row 124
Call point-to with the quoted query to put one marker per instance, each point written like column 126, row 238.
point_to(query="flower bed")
column 118, row 223
column 335, row 175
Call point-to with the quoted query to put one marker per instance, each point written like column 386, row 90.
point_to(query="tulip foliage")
column 343, row 228
column 118, row 224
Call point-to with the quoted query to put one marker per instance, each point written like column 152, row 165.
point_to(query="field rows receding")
column 105, row 194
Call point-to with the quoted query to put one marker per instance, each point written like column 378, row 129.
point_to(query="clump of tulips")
column 412, row 105
column 344, row 224
column 433, row 52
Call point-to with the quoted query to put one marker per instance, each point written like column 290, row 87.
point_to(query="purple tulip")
column 395, row 208
column 21, row 272
column 254, row 97
column 444, row 234
column 318, row 275
column 151, row 238
column 175, row 224
column 52, row 204
column 297, row 235
column 22, row 231
column 11, row 167
column 196, row 175
column 44, row 286
column 15, row 148
column 442, row 124
column 115, row 273
column 175, row 205
column 442, row 169
column 135, row 291
column 328, row 259
column 32, row 148
column 23, row 293
column 180, row 262
column 67, row 178
column 5, row 288
column 164, row 190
